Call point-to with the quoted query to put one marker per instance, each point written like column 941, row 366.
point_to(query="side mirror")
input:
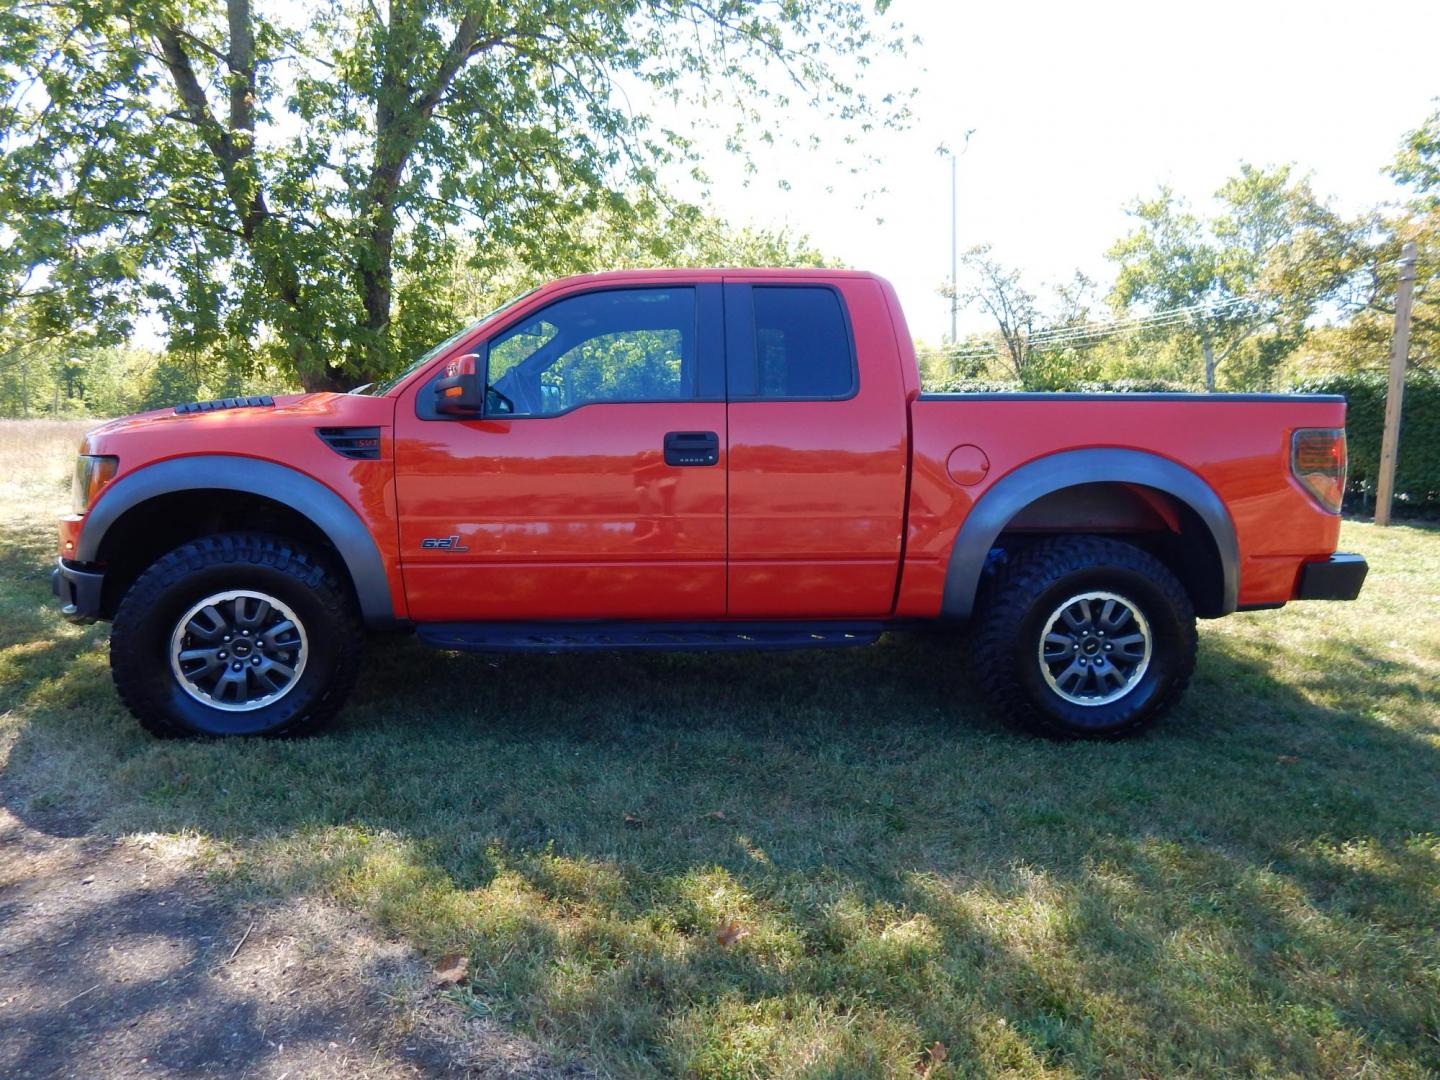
column 462, row 390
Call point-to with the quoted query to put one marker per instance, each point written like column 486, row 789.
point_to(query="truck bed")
column 1236, row 445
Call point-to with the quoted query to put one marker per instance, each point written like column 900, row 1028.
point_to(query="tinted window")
column 618, row 345
column 802, row 347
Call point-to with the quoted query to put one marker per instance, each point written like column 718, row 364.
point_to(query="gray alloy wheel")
column 238, row 650
column 278, row 603
column 1044, row 624
column 1095, row 648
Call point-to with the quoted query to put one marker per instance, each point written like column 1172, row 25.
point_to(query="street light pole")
column 954, row 235
column 954, row 249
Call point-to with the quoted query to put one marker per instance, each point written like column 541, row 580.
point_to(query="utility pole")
column 1395, row 393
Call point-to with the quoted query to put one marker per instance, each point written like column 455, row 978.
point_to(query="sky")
column 1078, row 108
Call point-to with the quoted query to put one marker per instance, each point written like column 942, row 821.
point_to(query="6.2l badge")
column 443, row 543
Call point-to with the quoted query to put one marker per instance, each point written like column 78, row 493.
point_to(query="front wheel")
column 237, row 634
column 1086, row 637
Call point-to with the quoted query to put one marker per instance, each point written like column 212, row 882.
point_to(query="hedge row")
column 1109, row 386
column 1417, row 468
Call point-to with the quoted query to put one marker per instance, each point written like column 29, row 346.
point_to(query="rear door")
column 817, row 448
column 602, row 494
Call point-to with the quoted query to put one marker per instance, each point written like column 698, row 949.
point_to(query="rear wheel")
column 1086, row 637
column 238, row 634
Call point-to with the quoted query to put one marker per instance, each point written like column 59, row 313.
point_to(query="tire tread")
column 1016, row 588
column 234, row 549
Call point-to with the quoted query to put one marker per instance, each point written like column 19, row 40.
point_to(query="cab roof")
column 707, row 274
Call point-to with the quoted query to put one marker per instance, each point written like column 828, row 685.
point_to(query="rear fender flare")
column 309, row 498
column 1036, row 479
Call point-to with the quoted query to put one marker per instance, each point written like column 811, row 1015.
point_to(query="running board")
column 555, row 637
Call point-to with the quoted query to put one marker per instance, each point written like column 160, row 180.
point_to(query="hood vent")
column 255, row 401
column 359, row 443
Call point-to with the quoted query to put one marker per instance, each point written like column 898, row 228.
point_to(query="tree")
column 997, row 291
column 1266, row 261
column 1417, row 164
column 264, row 176
column 1368, row 266
column 1025, row 330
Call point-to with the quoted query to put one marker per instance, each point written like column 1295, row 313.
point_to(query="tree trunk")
column 400, row 118
column 1208, row 348
column 328, row 380
column 377, row 286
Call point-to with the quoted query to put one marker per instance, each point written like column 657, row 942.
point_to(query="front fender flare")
column 1018, row 489
column 311, row 499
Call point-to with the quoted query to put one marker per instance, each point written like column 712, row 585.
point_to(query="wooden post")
column 1395, row 394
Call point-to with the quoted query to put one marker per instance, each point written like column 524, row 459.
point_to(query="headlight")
column 92, row 472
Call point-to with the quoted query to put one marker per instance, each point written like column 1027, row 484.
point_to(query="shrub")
column 1417, row 468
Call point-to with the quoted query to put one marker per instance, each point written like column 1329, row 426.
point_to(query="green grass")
column 1252, row 889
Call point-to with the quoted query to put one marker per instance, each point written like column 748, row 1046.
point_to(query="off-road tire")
column 306, row 583
column 1015, row 610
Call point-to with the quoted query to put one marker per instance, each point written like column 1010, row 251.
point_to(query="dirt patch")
column 116, row 960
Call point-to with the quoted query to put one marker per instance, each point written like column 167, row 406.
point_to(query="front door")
column 601, row 492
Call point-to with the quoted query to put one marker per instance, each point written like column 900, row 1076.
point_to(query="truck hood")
column 201, row 423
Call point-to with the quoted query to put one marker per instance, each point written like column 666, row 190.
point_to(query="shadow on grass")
column 1248, row 889
column 128, row 976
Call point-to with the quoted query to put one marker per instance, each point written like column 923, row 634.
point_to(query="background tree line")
column 1275, row 286
column 71, row 375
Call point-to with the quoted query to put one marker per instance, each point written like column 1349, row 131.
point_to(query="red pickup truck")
column 693, row 459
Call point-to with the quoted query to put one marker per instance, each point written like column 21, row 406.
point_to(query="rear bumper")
column 1337, row 578
column 78, row 591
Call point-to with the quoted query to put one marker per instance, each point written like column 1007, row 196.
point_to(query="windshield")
column 380, row 389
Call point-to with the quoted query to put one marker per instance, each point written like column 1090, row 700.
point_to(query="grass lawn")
column 1253, row 888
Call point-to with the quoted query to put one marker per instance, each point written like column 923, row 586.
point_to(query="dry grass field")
column 818, row 865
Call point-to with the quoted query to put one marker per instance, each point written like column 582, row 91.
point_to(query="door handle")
column 692, row 448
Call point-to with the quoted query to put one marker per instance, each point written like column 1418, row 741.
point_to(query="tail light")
column 1318, row 459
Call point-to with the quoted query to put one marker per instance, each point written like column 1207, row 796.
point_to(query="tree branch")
column 192, row 94
column 236, row 157
column 398, row 130
column 232, row 155
column 1245, row 336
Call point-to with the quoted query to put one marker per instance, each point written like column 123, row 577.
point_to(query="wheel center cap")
column 241, row 648
column 1091, row 647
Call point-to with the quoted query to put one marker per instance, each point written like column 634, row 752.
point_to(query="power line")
column 1157, row 319
column 1071, row 335
column 1165, row 318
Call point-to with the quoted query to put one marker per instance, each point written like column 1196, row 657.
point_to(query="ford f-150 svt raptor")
column 693, row 459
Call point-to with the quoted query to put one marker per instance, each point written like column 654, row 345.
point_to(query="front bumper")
column 78, row 591
column 1337, row 578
